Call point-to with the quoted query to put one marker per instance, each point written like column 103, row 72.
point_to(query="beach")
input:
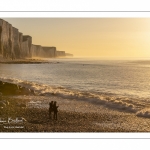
column 80, row 110
column 73, row 116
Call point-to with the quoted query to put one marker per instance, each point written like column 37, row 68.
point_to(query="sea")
column 116, row 84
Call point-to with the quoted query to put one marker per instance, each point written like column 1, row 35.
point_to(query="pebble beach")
column 73, row 116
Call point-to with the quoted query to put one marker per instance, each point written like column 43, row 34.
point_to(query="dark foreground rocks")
column 13, row 89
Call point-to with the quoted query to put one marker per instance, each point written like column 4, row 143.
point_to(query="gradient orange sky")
column 104, row 37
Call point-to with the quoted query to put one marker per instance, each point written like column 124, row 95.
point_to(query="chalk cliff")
column 29, row 43
column 60, row 53
column 15, row 45
column 36, row 50
column 48, row 52
column 6, row 39
column 68, row 54
column 9, row 40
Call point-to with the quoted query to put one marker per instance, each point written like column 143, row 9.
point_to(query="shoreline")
column 34, row 60
column 23, row 61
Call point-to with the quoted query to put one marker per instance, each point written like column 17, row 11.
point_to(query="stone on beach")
column 13, row 89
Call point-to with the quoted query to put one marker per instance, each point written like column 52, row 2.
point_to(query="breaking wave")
column 144, row 113
column 136, row 106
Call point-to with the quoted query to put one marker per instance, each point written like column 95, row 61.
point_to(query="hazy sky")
column 106, row 37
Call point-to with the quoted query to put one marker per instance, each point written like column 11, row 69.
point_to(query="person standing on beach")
column 50, row 109
column 55, row 108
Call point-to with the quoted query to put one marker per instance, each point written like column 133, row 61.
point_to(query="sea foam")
column 107, row 100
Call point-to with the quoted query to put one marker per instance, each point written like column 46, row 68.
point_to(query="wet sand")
column 72, row 117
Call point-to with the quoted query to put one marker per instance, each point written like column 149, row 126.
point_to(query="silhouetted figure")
column 50, row 109
column 55, row 110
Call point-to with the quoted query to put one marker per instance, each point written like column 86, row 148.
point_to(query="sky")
column 100, row 37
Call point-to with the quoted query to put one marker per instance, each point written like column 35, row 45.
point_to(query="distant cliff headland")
column 15, row 45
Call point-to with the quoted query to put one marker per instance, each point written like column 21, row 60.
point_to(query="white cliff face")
column 28, row 39
column 45, row 52
column 9, row 41
column 4, row 46
column 20, row 44
column 48, row 52
column 36, row 50
column 60, row 53
column 68, row 54
column 14, row 44
column 25, row 49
